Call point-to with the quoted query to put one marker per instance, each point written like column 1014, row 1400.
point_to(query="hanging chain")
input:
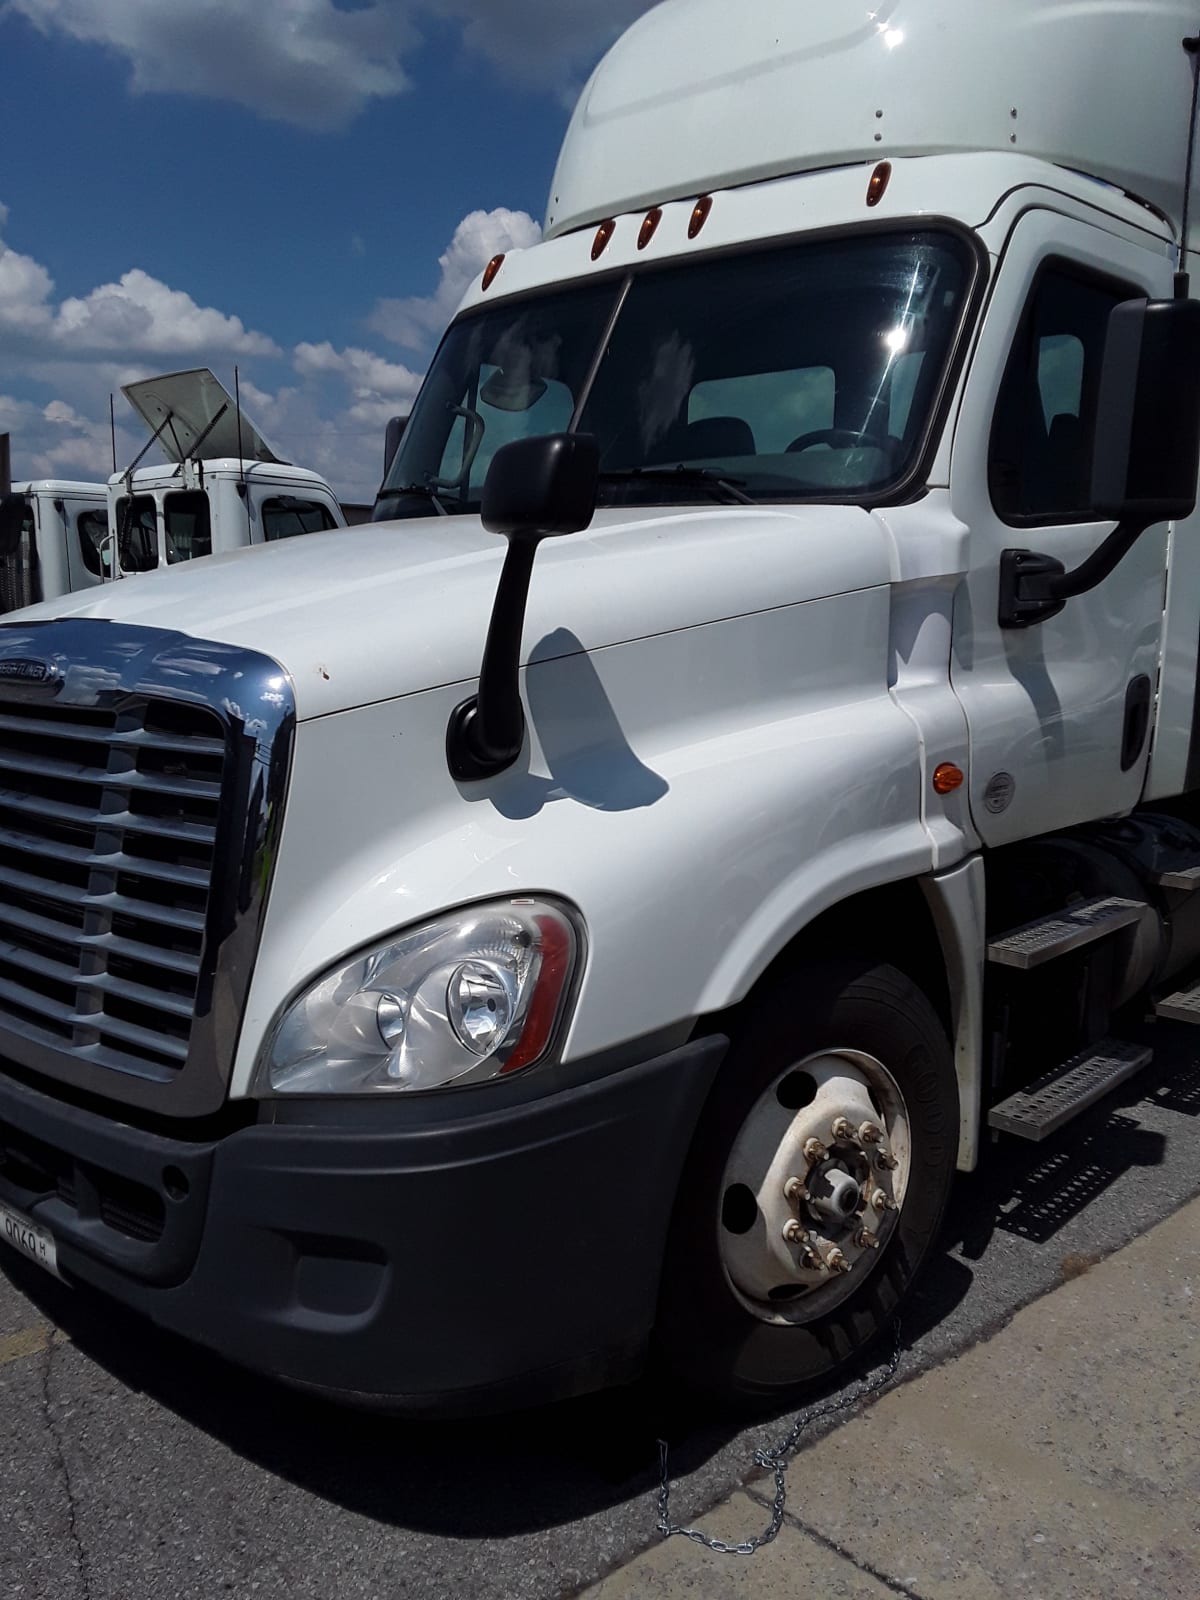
column 774, row 1460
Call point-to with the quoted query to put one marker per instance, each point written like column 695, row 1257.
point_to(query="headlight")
column 476, row 995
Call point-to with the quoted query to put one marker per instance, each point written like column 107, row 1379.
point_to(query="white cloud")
column 415, row 321
column 25, row 290
column 309, row 62
column 317, row 63
column 140, row 313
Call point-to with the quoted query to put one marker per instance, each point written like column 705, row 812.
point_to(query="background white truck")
column 224, row 487
column 458, row 1036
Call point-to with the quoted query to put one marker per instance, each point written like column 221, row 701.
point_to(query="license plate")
column 28, row 1239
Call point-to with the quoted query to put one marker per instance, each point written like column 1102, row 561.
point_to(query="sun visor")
column 201, row 418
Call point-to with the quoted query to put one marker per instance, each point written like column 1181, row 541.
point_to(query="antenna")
column 1182, row 280
column 237, row 403
column 112, row 428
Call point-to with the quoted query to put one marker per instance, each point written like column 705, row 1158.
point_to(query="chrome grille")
column 108, row 838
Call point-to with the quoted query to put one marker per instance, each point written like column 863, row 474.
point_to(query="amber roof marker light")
column 603, row 234
column 947, row 778
column 490, row 271
column 700, row 214
column 880, row 179
column 649, row 227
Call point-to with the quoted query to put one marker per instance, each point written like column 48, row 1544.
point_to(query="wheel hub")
column 814, row 1184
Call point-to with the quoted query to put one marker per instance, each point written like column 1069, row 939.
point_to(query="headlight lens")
column 472, row 996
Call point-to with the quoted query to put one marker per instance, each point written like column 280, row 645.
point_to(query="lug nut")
column 879, row 1200
column 836, row 1261
column 885, row 1162
column 843, row 1128
column 866, row 1240
column 814, row 1150
column 795, row 1232
column 795, row 1189
column 870, row 1133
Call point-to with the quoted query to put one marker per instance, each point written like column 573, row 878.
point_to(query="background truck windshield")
column 801, row 372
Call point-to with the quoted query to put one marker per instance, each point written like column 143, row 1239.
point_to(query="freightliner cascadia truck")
column 583, row 919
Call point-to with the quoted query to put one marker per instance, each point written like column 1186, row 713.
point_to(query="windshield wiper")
column 422, row 489
column 731, row 488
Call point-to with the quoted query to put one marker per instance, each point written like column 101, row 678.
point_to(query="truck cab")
column 62, row 543
column 226, row 487
column 585, row 918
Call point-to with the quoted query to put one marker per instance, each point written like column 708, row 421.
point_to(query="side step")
column 1063, row 931
column 1181, row 1007
column 1186, row 878
column 1044, row 1106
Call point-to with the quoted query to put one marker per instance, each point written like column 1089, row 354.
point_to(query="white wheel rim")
column 812, row 1191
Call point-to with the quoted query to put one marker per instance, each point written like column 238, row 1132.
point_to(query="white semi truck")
column 434, row 974
column 223, row 488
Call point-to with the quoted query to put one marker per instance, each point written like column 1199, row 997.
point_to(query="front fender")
column 699, row 795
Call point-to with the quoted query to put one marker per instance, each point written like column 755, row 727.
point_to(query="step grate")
column 1185, row 878
column 1063, row 931
column 1044, row 1106
column 1181, row 1007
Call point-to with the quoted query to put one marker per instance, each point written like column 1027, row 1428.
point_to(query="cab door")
column 1057, row 712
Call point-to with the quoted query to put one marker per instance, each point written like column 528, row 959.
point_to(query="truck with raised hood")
column 585, row 918
column 222, row 487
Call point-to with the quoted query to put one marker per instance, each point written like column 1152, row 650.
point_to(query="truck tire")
column 815, row 1186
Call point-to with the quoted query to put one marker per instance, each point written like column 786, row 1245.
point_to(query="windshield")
column 803, row 371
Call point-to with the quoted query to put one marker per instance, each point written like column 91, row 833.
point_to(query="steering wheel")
column 838, row 438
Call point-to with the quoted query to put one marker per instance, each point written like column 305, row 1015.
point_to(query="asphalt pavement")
column 135, row 1467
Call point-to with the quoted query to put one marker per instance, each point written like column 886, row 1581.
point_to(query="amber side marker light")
column 490, row 271
column 880, row 179
column 603, row 234
column 947, row 778
column 699, row 215
column 649, row 227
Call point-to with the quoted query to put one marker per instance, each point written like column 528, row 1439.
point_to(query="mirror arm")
column 1034, row 588
column 486, row 732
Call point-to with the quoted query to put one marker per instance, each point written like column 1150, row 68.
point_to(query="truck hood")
column 390, row 609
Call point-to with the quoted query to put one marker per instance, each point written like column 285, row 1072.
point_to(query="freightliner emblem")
column 27, row 671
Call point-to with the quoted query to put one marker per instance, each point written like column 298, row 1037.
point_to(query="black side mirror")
column 535, row 489
column 391, row 442
column 1145, row 459
column 12, row 519
column 12, row 506
column 1147, row 453
column 542, row 487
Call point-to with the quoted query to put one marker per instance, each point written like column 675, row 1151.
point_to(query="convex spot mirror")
column 12, row 519
column 542, row 487
column 1147, row 449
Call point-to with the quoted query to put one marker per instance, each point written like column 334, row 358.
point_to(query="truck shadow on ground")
column 506, row 1476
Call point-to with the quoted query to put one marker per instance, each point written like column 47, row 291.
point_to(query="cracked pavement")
column 136, row 1467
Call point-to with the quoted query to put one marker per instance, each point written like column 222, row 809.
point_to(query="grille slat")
column 114, row 861
column 141, row 910
column 88, row 817
column 81, row 733
column 49, row 928
column 108, row 839
column 77, row 772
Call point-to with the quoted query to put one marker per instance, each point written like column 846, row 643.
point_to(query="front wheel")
column 815, row 1186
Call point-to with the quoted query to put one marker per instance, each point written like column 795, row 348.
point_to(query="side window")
column 285, row 516
column 1040, row 458
column 137, row 533
column 187, row 525
column 92, row 528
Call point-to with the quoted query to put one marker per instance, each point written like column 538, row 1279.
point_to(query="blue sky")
column 303, row 187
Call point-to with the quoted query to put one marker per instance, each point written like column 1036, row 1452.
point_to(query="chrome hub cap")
column 814, row 1185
